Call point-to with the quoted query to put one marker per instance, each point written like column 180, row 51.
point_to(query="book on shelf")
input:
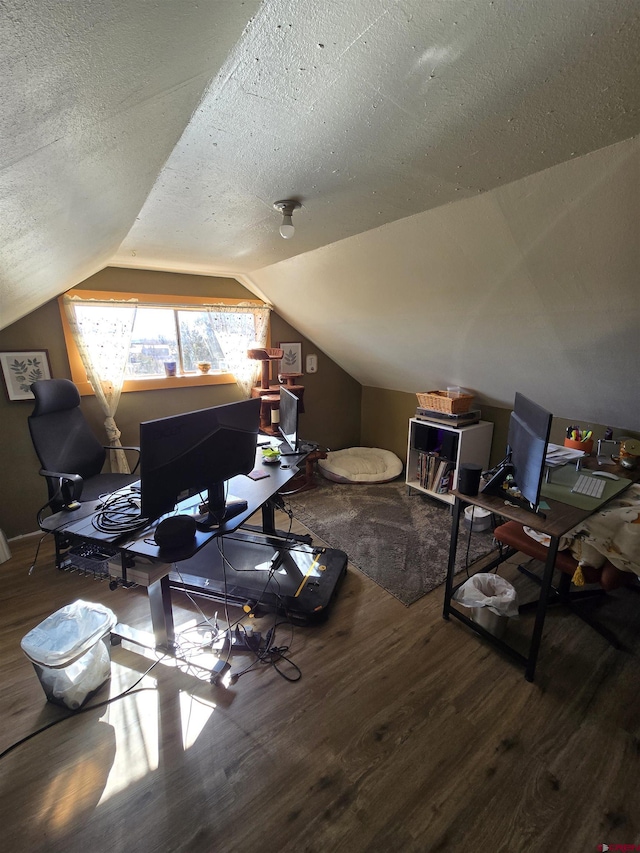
column 434, row 472
column 427, row 461
column 445, row 477
column 440, row 472
column 425, row 467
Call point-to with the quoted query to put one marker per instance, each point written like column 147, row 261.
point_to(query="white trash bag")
column 72, row 684
column 491, row 591
column 70, row 651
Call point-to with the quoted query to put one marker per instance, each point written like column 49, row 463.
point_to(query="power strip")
column 238, row 641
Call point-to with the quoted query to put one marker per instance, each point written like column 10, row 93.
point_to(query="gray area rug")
column 398, row 539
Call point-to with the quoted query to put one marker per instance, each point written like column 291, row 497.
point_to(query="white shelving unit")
column 457, row 444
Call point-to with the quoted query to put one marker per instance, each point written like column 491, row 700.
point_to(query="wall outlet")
column 312, row 364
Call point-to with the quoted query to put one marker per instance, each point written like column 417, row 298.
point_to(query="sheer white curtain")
column 246, row 370
column 103, row 339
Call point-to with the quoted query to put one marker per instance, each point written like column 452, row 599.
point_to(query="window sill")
column 157, row 383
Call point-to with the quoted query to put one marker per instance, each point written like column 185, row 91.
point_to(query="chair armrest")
column 70, row 485
column 126, row 447
column 73, row 478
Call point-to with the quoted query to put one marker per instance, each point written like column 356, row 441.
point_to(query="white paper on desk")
column 558, row 455
column 545, row 539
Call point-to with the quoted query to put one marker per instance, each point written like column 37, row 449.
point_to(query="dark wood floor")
column 405, row 733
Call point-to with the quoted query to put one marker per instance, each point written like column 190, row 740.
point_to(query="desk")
column 257, row 493
column 153, row 566
column 559, row 519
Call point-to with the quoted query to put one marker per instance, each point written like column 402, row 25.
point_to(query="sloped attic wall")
column 95, row 97
column 531, row 287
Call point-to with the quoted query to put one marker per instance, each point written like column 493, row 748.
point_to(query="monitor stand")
column 218, row 508
column 493, row 486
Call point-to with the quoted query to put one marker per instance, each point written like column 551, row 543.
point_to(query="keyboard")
column 592, row 487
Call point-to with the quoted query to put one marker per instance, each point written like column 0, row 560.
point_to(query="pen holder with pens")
column 574, row 444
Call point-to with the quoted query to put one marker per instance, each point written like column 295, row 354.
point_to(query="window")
column 154, row 341
column 188, row 337
column 185, row 330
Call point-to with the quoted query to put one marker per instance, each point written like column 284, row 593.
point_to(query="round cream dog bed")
column 361, row 465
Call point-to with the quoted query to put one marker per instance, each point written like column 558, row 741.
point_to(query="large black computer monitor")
column 289, row 411
column 529, row 428
column 199, row 451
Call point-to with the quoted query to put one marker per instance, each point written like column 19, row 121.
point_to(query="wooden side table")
column 305, row 480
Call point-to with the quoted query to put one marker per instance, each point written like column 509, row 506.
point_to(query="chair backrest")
column 61, row 436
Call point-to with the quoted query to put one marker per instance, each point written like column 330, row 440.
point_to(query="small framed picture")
column 22, row 367
column 291, row 361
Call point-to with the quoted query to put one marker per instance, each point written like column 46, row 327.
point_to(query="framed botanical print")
column 291, row 361
column 22, row 367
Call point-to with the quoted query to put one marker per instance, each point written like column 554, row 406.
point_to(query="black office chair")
column 71, row 456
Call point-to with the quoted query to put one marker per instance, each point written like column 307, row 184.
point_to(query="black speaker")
column 175, row 532
column 469, row 478
column 449, row 446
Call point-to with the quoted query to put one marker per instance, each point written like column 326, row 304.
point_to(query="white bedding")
column 612, row 534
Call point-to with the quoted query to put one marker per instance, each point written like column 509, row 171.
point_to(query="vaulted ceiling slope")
column 368, row 112
column 532, row 287
column 156, row 134
column 94, row 98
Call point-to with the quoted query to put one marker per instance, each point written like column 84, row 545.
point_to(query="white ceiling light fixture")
column 286, row 208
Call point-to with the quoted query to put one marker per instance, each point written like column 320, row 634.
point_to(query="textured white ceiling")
column 367, row 112
column 158, row 134
column 532, row 287
column 94, row 98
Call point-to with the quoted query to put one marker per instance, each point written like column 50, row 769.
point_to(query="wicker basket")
column 440, row 401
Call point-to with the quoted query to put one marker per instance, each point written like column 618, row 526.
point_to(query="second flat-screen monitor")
column 288, row 426
column 197, row 452
column 529, row 428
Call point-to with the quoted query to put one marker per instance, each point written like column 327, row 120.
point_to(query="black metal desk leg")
column 269, row 518
column 159, row 594
column 541, row 610
column 451, row 566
